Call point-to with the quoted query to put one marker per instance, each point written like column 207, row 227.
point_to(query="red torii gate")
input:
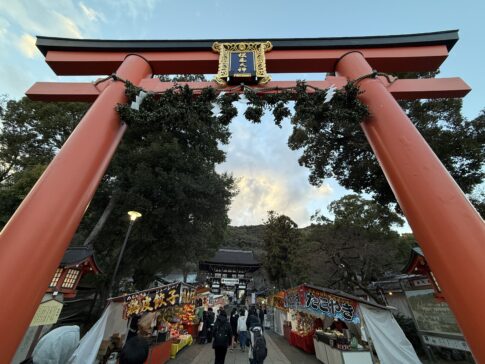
column 450, row 231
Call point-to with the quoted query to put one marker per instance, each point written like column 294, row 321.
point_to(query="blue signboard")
column 242, row 64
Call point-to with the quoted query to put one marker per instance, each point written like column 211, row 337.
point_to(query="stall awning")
column 326, row 302
column 156, row 298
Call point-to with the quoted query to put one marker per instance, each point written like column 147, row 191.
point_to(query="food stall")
column 336, row 327
column 163, row 316
column 276, row 303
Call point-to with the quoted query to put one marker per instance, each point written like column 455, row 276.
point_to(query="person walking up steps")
column 242, row 329
column 261, row 316
column 257, row 348
column 222, row 335
column 210, row 324
column 234, row 320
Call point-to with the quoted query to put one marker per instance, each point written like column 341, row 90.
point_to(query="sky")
column 267, row 171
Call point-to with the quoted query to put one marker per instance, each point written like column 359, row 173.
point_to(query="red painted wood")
column 449, row 230
column 42, row 227
column 63, row 91
column 430, row 88
column 159, row 353
column 401, row 89
column 398, row 59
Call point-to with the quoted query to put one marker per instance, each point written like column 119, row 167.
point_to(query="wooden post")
column 33, row 242
column 449, row 230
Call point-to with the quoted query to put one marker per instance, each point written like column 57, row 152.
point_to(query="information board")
column 47, row 313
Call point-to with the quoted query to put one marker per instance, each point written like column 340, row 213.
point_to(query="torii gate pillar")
column 443, row 221
column 450, row 231
column 55, row 205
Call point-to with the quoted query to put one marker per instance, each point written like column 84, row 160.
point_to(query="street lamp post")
column 133, row 216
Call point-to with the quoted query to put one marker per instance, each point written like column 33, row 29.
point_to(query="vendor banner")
column 322, row 303
column 157, row 298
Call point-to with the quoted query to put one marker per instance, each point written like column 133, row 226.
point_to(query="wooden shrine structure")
column 450, row 231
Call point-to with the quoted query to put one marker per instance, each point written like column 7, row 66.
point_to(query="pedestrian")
column 135, row 351
column 252, row 317
column 261, row 316
column 133, row 329
column 210, row 324
column 234, row 318
column 203, row 329
column 222, row 337
column 257, row 348
column 242, row 330
column 57, row 346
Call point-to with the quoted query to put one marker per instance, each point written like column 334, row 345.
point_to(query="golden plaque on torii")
column 242, row 62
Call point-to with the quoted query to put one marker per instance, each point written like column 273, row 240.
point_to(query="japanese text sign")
column 156, row 299
column 323, row 303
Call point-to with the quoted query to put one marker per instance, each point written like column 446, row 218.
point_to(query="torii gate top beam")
column 396, row 53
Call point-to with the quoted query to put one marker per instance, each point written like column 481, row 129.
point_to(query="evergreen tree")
column 282, row 241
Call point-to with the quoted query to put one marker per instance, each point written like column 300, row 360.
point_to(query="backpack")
column 259, row 348
column 221, row 335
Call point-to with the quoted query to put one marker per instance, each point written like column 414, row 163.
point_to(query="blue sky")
column 268, row 173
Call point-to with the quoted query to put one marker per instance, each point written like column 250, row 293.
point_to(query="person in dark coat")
column 252, row 318
column 261, row 317
column 205, row 324
column 222, row 337
column 135, row 351
column 233, row 321
column 210, row 324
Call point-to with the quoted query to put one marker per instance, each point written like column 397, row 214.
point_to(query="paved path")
column 279, row 352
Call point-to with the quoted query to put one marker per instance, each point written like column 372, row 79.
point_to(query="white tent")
column 389, row 340
column 110, row 322
column 279, row 319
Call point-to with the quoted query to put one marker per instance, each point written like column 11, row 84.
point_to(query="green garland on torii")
column 319, row 115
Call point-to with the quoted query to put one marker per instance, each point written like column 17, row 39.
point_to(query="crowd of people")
column 244, row 328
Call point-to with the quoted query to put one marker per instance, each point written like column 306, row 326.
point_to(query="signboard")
column 242, row 62
column 47, row 313
column 322, row 303
column 446, row 342
column 230, row 281
column 155, row 299
column 430, row 314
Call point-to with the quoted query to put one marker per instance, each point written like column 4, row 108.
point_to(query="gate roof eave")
column 447, row 38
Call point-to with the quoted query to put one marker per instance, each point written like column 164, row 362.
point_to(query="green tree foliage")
column 282, row 240
column 164, row 168
column 358, row 247
column 337, row 148
column 31, row 133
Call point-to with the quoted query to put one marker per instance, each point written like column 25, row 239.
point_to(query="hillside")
column 245, row 237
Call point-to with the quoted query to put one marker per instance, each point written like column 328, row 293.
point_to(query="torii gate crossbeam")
column 450, row 231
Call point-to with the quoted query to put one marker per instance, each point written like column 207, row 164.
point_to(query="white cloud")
column 90, row 13
column 136, row 10
column 260, row 192
column 4, row 24
column 67, row 19
column 68, row 26
column 269, row 176
column 26, row 44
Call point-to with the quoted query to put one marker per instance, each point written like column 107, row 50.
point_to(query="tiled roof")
column 234, row 257
column 76, row 255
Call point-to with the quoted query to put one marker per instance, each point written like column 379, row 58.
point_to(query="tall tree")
column 164, row 167
column 340, row 149
column 31, row 133
column 282, row 241
column 359, row 246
